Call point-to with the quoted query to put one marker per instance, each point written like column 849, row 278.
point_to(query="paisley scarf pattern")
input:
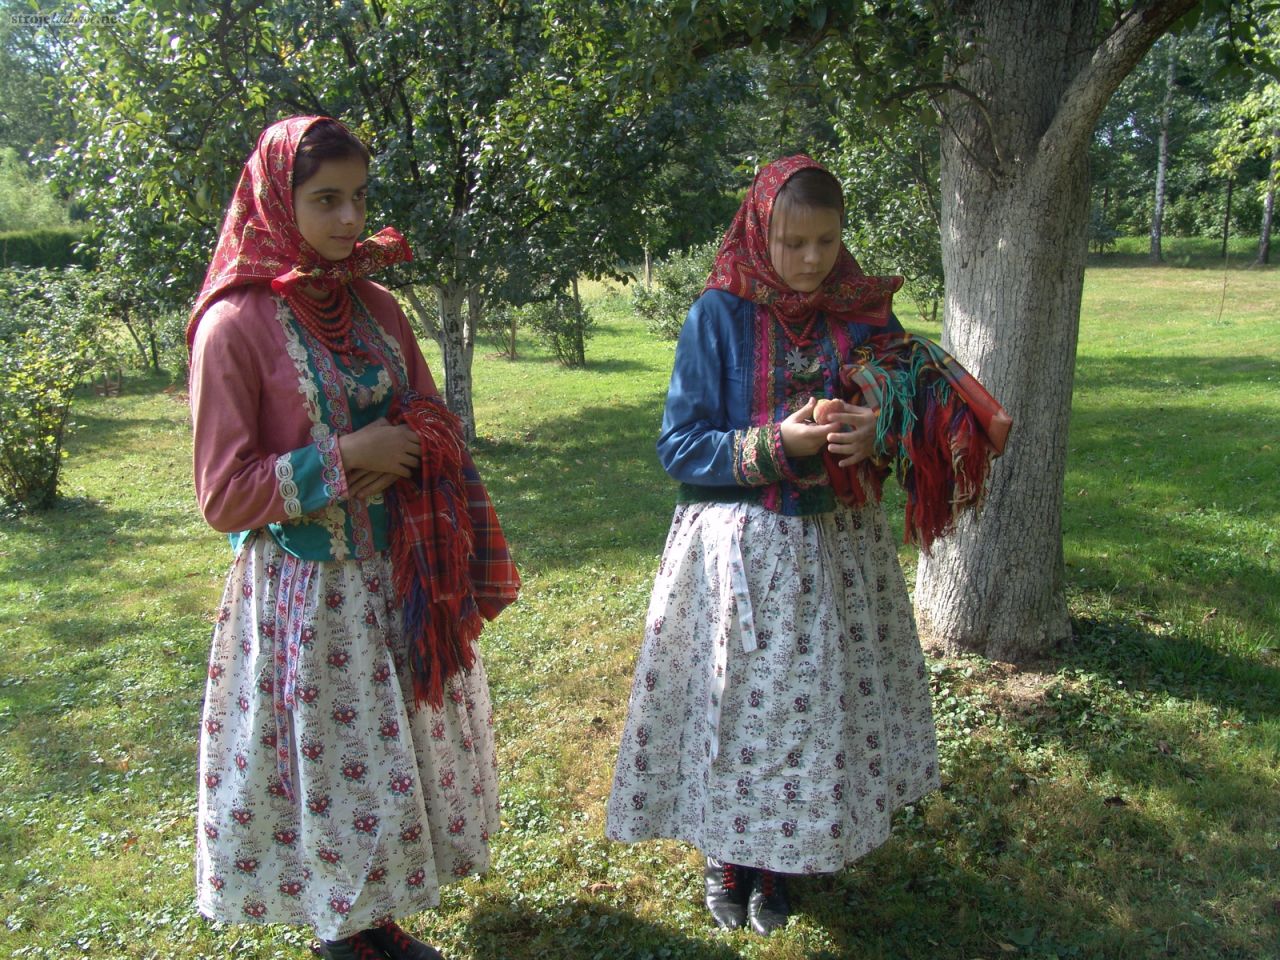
column 744, row 268
column 260, row 241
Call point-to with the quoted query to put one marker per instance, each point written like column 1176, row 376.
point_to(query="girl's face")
column 329, row 207
column 803, row 245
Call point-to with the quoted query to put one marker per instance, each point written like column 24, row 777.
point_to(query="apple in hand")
column 823, row 410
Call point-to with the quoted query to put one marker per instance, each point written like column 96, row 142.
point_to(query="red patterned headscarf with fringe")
column 260, row 241
column 744, row 268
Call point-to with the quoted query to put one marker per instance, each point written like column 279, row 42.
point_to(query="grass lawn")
column 1119, row 801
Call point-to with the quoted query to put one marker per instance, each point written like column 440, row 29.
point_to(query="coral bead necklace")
column 802, row 337
column 330, row 319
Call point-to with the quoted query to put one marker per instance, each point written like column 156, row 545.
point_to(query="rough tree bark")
column 1015, row 225
column 579, row 339
column 1156, row 254
column 457, row 341
column 1268, row 213
column 454, row 331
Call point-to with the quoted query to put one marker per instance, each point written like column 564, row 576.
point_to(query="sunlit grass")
column 1119, row 800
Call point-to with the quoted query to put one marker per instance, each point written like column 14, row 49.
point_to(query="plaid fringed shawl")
column 450, row 562
column 937, row 432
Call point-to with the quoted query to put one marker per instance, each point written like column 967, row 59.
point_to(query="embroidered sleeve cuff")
column 758, row 457
column 311, row 477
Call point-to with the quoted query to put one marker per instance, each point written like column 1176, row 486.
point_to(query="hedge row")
column 53, row 248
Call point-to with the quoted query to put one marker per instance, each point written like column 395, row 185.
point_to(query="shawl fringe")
column 450, row 563
column 938, row 432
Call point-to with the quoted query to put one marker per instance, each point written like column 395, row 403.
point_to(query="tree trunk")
column 1014, row 241
column 1014, row 278
column 154, row 340
column 475, row 311
column 430, row 322
column 648, row 266
column 1226, row 217
column 512, row 326
column 1268, row 212
column 455, row 335
column 126, row 317
column 457, row 342
column 579, row 340
column 1162, row 163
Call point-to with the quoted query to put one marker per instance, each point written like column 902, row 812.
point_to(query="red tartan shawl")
column 260, row 242
column 744, row 267
column 938, row 431
column 450, row 563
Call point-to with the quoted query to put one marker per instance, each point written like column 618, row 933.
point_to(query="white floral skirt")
column 326, row 797
column 780, row 712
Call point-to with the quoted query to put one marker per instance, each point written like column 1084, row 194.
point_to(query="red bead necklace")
column 329, row 319
column 800, row 338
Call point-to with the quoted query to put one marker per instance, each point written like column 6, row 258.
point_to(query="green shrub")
column 26, row 200
column 173, row 344
column 48, row 341
column 563, row 324
column 1102, row 232
column 499, row 324
column 678, row 281
column 52, row 248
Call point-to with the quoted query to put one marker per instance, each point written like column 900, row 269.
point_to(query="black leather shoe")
column 356, row 947
column 727, row 887
column 768, row 907
column 398, row 945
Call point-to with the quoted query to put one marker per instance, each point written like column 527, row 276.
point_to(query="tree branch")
column 932, row 90
column 798, row 32
column 1086, row 97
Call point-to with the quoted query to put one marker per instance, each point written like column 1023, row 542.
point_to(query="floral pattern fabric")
column 383, row 802
column 780, row 711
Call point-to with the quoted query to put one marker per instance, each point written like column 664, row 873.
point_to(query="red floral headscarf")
column 744, row 268
column 260, row 241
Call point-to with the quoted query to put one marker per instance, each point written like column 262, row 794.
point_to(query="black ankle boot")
column 727, row 888
column 398, row 945
column 768, row 906
column 355, row 947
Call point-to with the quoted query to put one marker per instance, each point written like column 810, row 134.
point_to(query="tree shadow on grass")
column 1041, row 837
column 1206, row 570
column 85, row 698
column 615, row 365
column 89, row 536
column 1180, row 379
column 1204, row 463
column 1175, row 664
column 133, row 384
column 594, row 365
column 585, row 930
column 1096, row 703
column 584, row 489
column 105, row 435
column 75, row 654
column 1178, row 257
